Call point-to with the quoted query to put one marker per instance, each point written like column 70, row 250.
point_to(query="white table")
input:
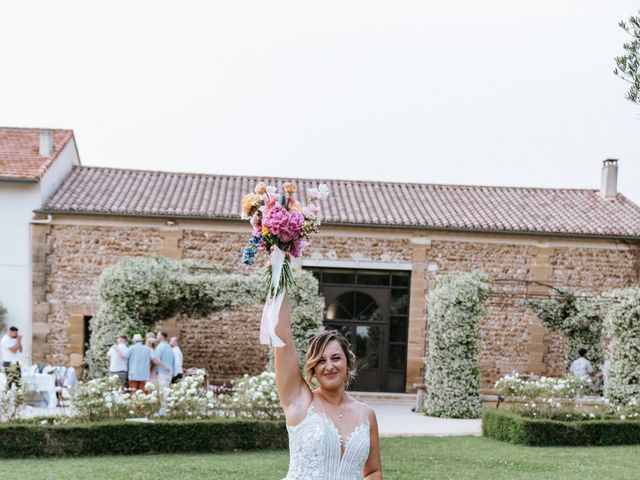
column 43, row 383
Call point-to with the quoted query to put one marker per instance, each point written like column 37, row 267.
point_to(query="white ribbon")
column 277, row 261
column 274, row 302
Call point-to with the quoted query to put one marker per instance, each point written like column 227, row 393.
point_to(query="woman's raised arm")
column 292, row 389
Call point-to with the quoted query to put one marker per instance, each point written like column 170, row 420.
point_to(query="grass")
column 403, row 459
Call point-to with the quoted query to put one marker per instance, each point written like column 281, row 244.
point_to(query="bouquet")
column 281, row 226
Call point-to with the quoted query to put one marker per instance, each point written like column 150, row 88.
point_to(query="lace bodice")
column 317, row 451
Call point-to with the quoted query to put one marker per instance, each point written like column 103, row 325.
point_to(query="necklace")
column 340, row 407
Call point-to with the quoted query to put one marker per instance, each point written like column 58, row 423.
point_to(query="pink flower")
column 257, row 230
column 314, row 194
column 311, row 211
column 286, row 225
column 293, row 228
column 275, row 219
column 271, row 191
column 297, row 247
column 269, row 203
column 255, row 219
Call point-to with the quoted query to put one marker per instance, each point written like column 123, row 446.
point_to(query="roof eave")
column 19, row 180
column 354, row 224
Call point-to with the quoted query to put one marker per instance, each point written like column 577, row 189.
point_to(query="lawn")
column 403, row 458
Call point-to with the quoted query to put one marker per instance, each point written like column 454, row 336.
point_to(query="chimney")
column 609, row 182
column 46, row 143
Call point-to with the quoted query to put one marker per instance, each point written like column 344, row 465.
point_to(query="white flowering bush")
column 252, row 397
column 622, row 322
column 12, row 402
column 188, row 399
column 452, row 379
column 136, row 293
column 544, row 397
column 103, row 398
column 579, row 318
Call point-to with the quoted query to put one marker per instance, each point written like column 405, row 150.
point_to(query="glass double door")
column 361, row 315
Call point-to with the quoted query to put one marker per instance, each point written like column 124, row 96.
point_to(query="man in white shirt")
column 117, row 356
column 582, row 368
column 177, row 360
column 10, row 348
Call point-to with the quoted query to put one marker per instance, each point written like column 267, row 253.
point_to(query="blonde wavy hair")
column 316, row 348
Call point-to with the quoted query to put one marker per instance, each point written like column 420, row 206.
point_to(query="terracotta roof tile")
column 19, row 153
column 92, row 190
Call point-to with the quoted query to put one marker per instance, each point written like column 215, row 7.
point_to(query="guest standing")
column 11, row 347
column 177, row 360
column 117, row 356
column 164, row 352
column 139, row 357
column 582, row 368
column 151, row 342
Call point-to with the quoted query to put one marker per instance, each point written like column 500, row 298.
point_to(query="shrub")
column 452, row 379
column 553, row 398
column 12, row 402
column 136, row 293
column 104, row 399
column 578, row 318
column 513, row 428
column 188, row 399
column 120, row 437
column 623, row 325
column 253, row 397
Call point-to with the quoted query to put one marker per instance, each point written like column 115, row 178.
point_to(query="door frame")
column 382, row 296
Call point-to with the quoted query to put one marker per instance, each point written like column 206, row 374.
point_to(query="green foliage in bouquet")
column 455, row 307
column 578, row 318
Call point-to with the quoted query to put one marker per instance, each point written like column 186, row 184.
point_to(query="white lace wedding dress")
column 317, row 451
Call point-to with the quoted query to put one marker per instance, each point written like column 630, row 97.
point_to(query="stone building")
column 380, row 250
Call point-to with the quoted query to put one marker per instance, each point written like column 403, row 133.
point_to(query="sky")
column 498, row 92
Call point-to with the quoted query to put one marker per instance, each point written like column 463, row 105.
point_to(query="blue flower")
column 255, row 240
column 249, row 255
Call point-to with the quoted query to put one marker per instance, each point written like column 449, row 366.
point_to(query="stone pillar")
column 75, row 332
column 171, row 245
column 40, row 307
column 417, row 313
column 540, row 271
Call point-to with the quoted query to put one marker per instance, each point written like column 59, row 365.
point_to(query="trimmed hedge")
column 113, row 438
column 513, row 428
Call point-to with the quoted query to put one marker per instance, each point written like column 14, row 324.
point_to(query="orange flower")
column 265, row 231
column 261, row 188
column 250, row 203
column 295, row 207
column 289, row 188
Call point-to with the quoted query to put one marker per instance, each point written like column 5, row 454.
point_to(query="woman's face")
column 331, row 369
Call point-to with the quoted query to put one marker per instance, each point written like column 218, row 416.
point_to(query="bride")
column 331, row 435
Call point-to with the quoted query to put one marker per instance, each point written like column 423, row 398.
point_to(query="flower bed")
column 514, row 428
column 122, row 437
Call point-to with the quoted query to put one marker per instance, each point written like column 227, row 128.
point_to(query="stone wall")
column 76, row 257
column 226, row 343
column 504, row 329
column 71, row 257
